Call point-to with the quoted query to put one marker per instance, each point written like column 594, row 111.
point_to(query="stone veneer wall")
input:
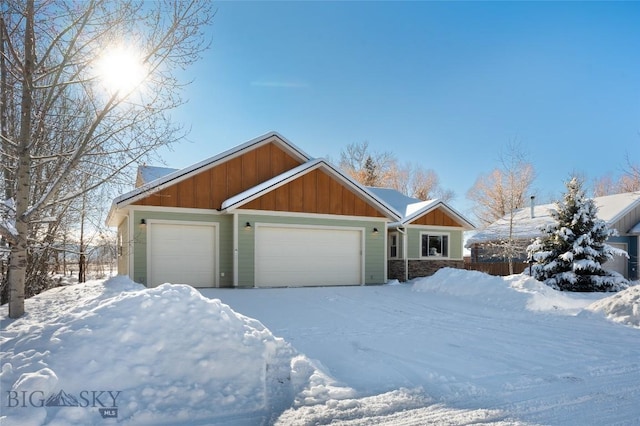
column 420, row 268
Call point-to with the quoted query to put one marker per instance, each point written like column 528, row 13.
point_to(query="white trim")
column 385, row 277
column 405, row 249
column 442, row 228
column 310, row 215
column 361, row 229
column 437, row 233
column 181, row 210
column 235, row 250
column 132, row 239
column 216, row 248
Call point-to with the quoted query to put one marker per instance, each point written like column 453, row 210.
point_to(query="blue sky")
column 448, row 85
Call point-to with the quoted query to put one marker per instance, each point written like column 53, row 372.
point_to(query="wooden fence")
column 495, row 268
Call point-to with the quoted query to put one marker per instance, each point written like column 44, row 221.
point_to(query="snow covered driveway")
column 475, row 348
column 456, row 348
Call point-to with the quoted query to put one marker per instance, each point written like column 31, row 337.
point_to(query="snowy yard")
column 457, row 348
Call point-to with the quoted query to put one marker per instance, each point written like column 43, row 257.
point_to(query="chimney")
column 533, row 198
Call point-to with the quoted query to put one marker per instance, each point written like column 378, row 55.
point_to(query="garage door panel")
column 308, row 256
column 182, row 254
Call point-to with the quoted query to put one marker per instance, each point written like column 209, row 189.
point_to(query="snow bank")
column 622, row 307
column 162, row 355
column 395, row 408
column 512, row 292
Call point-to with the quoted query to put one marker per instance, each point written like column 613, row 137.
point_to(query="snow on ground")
column 459, row 347
column 162, row 355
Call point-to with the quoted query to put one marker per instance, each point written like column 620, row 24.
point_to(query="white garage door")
column 291, row 257
column 181, row 254
column 618, row 263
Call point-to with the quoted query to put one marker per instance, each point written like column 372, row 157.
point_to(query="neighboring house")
column 265, row 214
column 620, row 211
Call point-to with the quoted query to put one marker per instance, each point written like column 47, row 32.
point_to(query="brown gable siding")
column 315, row 192
column 209, row 188
column 437, row 217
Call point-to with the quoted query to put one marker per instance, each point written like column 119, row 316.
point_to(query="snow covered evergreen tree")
column 571, row 251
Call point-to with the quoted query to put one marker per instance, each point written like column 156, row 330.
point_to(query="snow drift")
column 160, row 355
column 623, row 307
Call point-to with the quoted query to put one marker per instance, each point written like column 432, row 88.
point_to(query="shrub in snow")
column 571, row 251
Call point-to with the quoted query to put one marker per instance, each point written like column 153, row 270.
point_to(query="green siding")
column 455, row 242
column 375, row 255
column 225, row 241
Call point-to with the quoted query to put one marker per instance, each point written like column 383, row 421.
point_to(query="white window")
column 434, row 244
column 393, row 245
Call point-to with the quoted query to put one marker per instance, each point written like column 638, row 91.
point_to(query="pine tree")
column 571, row 251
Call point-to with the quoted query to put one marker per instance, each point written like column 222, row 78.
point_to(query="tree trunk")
column 82, row 262
column 18, row 262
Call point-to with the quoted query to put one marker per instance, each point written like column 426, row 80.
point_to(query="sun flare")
column 121, row 70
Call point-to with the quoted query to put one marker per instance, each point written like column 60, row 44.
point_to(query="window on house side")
column 435, row 245
column 393, row 245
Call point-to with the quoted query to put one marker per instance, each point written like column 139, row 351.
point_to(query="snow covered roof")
column 611, row 208
column 148, row 174
column 411, row 208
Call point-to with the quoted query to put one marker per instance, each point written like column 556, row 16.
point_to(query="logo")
column 104, row 400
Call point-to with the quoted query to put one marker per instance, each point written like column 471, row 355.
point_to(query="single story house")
column 266, row 214
column 620, row 211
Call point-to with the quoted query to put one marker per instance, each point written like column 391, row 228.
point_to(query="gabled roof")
column 182, row 174
column 611, row 209
column 412, row 208
column 286, row 177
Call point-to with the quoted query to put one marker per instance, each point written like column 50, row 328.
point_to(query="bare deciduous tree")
column 66, row 119
column 629, row 181
column 384, row 170
column 368, row 168
column 604, row 186
column 502, row 191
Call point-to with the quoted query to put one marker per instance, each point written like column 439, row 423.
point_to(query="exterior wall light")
column 375, row 231
column 247, row 226
column 143, row 223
